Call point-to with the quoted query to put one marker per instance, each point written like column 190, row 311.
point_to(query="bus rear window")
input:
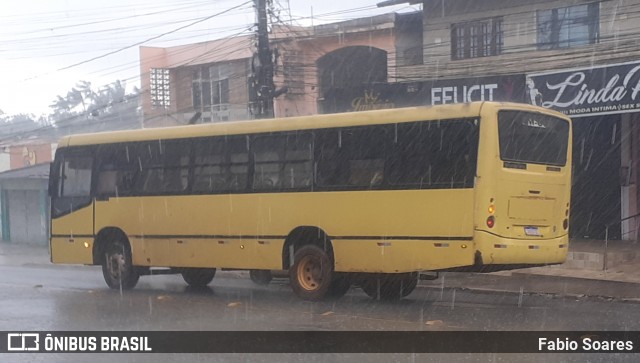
column 529, row 137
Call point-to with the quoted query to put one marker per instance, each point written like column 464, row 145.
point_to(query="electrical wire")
column 154, row 37
column 510, row 62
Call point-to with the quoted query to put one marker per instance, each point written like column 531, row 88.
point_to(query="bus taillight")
column 491, row 221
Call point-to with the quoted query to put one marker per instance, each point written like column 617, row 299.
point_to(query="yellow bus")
column 368, row 199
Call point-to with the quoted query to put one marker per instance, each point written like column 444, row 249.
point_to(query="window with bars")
column 482, row 38
column 568, row 27
column 293, row 71
column 160, row 89
column 208, row 91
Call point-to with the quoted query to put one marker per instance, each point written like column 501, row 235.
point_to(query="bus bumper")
column 496, row 250
column 68, row 250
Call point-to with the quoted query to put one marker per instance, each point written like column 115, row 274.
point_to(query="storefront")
column 24, row 205
column 603, row 101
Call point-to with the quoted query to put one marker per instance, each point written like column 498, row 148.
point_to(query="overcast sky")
column 48, row 46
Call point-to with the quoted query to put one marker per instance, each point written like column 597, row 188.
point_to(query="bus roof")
column 384, row 116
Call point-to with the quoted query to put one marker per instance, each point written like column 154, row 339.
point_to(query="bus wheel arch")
column 103, row 238
column 112, row 250
column 308, row 255
column 305, row 235
column 311, row 273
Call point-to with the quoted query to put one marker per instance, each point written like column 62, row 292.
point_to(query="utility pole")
column 263, row 86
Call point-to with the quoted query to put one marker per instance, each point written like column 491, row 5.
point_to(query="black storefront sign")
column 600, row 90
column 424, row 93
column 463, row 90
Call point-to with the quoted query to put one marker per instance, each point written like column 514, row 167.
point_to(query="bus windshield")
column 529, row 137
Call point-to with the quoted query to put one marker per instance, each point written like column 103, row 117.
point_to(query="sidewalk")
column 587, row 272
column 582, row 275
column 23, row 254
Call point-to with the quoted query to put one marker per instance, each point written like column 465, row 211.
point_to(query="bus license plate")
column 531, row 231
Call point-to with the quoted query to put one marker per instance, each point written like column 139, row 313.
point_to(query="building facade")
column 24, row 205
column 324, row 68
column 202, row 82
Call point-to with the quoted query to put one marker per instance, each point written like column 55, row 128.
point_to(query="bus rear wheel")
column 310, row 274
column 198, row 277
column 389, row 286
column 261, row 277
column 117, row 267
column 340, row 285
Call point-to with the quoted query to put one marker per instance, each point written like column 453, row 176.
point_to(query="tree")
column 110, row 107
column 18, row 126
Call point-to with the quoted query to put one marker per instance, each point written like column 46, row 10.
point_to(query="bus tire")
column 261, row 277
column 198, row 277
column 340, row 285
column 310, row 274
column 390, row 287
column 117, row 266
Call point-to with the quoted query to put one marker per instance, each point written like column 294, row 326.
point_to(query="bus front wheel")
column 310, row 274
column 198, row 277
column 117, row 267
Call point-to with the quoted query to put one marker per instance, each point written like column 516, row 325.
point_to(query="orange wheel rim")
column 309, row 273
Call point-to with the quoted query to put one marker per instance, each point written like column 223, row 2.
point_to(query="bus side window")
column 435, row 154
column 208, row 175
column 175, row 156
column 164, row 167
column 237, row 167
column 455, row 159
column 328, row 167
column 220, row 165
column 409, row 163
column 297, row 164
column 107, row 182
column 116, row 170
column 353, row 156
column 268, row 157
column 76, row 180
column 365, row 151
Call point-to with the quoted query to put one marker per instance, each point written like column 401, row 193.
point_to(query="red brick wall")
column 27, row 155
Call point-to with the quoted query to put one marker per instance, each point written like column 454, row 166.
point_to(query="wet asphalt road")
column 76, row 298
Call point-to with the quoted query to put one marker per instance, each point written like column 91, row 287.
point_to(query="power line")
column 155, row 37
column 514, row 57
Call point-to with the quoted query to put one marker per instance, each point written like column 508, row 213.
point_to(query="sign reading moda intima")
column 599, row 90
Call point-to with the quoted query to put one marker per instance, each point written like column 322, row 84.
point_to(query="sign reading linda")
column 598, row 90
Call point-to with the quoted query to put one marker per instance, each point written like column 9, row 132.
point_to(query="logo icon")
column 23, row 342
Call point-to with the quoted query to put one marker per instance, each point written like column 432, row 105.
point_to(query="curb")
column 564, row 286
